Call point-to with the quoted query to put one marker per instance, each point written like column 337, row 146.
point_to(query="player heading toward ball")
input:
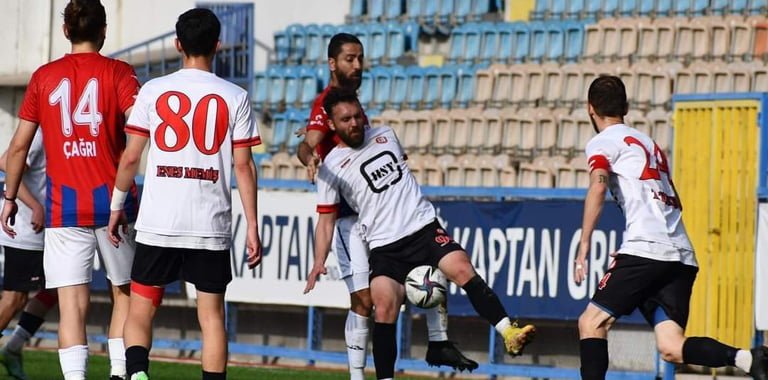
column 367, row 169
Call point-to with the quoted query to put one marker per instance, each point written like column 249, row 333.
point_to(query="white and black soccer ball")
column 426, row 286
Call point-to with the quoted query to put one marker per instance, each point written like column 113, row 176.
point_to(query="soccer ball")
column 425, row 286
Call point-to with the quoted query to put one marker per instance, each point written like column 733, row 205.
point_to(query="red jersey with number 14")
column 193, row 120
column 79, row 101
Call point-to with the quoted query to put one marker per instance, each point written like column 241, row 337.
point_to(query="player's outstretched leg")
column 29, row 322
column 440, row 350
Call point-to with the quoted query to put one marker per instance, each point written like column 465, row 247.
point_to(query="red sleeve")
column 318, row 119
column 135, row 130
column 249, row 142
column 327, row 209
column 598, row 161
column 29, row 110
column 127, row 86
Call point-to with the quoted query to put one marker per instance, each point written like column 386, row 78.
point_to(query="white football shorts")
column 69, row 255
column 351, row 253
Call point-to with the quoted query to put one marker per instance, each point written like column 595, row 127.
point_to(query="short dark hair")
column 608, row 96
column 338, row 95
column 198, row 31
column 85, row 21
column 338, row 40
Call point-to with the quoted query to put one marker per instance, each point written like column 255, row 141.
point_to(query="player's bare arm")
column 593, row 207
column 323, row 236
column 307, row 154
column 245, row 175
column 126, row 171
column 15, row 163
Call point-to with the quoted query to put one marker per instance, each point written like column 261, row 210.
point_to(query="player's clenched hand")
column 38, row 218
column 301, row 132
column 312, row 165
column 9, row 217
column 253, row 245
column 116, row 219
column 317, row 270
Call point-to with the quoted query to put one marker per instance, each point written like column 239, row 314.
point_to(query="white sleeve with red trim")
column 327, row 192
column 246, row 131
column 138, row 121
column 601, row 153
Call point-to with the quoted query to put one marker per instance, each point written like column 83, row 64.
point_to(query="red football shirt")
column 318, row 121
column 79, row 101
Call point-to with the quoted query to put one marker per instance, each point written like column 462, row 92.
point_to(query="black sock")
column 30, row 322
column 384, row 349
column 708, row 352
column 214, row 375
column 484, row 300
column 136, row 360
column 594, row 358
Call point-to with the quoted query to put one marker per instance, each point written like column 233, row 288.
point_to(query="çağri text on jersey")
column 79, row 148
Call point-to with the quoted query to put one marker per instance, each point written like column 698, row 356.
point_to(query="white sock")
column 117, row 357
column 74, row 362
column 744, row 360
column 356, row 335
column 502, row 325
column 437, row 323
column 17, row 340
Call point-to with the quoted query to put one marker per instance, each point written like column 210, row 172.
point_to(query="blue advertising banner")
column 525, row 251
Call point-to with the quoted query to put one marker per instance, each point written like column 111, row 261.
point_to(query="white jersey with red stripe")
column 193, row 120
column 378, row 185
column 640, row 182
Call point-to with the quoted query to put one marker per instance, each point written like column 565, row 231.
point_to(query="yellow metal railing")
column 715, row 161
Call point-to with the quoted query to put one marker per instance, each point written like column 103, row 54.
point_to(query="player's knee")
column 49, row 298
column 591, row 323
column 670, row 348
column 152, row 293
column 361, row 303
column 386, row 311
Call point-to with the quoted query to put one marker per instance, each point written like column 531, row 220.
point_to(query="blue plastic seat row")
column 309, row 43
column 289, row 85
column 590, row 9
column 417, row 87
column 516, row 42
column 422, row 11
column 284, row 126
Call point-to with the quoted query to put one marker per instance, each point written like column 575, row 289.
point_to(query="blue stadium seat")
column 458, row 41
column 592, row 10
column 539, row 34
column 505, row 42
column 447, row 86
column 521, row 41
column 628, row 8
column 663, row 8
column 260, row 88
column 646, row 8
column 575, row 9
column 297, row 118
column 411, row 30
column 757, row 7
column 719, row 7
column 574, row 41
column 444, row 11
column 610, row 8
column 429, row 11
column 315, row 48
column 395, row 42
column 291, row 79
column 362, row 33
column 280, row 131
column 356, row 10
column 541, row 10
column 377, row 39
column 308, row 86
column 738, row 6
column 465, row 85
column 413, row 9
column 431, row 86
column 298, row 38
column 555, row 42
column 375, row 9
column 382, row 86
column 393, row 9
column 327, row 31
column 489, row 46
column 323, row 75
column 399, row 87
column 415, row 86
column 479, row 8
column 699, row 7
column 462, row 10
column 276, row 86
column 557, row 11
column 365, row 92
column 472, row 41
column 681, row 7
column 282, row 46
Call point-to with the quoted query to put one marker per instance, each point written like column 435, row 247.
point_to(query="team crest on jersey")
column 381, row 171
column 381, row 139
column 604, row 281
